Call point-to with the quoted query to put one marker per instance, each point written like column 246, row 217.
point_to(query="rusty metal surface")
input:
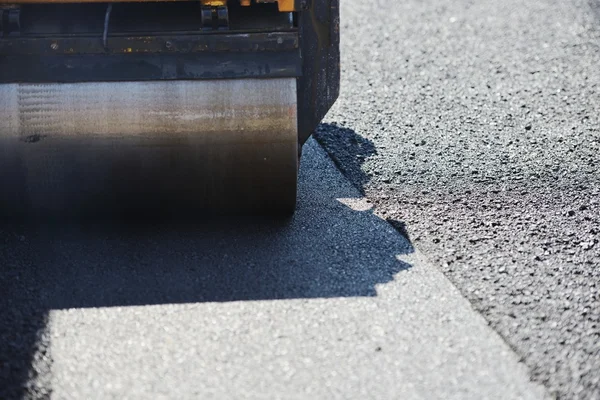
column 148, row 147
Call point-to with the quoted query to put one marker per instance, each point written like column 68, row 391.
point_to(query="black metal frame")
column 310, row 52
column 319, row 85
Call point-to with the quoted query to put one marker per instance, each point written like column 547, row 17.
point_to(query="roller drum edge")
column 139, row 148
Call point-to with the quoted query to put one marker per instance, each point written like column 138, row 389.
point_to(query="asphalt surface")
column 334, row 304
column 475, row 127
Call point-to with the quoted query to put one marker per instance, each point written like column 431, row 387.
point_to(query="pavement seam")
column 423, row 260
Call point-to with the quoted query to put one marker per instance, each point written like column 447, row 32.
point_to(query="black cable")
column 106, row 20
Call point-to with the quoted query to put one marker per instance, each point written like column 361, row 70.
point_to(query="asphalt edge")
column 423, row 260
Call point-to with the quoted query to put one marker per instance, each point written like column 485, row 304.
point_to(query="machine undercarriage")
column 160, row 106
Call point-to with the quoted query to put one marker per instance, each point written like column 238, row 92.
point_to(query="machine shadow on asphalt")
column 330, row 248
column 351, row 151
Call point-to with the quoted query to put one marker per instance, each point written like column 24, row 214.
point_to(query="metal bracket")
column 214, row 18
column 10, row 21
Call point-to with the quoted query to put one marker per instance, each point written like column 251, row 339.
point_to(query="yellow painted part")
column 286, row 5
column 213, row 3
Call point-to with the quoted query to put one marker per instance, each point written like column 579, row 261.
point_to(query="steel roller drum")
column 155, row 147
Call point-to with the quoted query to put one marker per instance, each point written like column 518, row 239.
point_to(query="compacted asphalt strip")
column 333, row 304
column 475, row 128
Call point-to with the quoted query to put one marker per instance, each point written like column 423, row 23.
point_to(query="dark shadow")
column 348, row 150
column 328, row 249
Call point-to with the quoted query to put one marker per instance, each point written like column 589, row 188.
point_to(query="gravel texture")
column 335, row 304
column 475, row 129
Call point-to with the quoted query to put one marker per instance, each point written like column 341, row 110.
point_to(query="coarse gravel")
column 475, row 128
column 333, row 304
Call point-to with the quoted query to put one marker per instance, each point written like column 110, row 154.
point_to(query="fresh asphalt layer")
column 333, row 304
column 475, row 128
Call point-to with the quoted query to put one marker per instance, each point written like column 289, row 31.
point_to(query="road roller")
column 160, row 107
